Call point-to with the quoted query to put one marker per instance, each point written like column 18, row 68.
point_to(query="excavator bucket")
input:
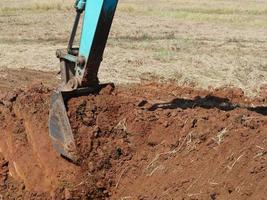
column 59, row 127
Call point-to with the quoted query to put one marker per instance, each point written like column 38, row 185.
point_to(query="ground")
column 207, row 43
column 186, row 119
column 145, row 142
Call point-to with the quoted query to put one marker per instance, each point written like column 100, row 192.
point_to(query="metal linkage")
column 82, row 64
column 74, row 30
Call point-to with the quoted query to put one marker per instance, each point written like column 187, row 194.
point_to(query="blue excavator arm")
column 79, row 68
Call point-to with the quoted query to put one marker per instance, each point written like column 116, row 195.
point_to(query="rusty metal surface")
column 59, row 128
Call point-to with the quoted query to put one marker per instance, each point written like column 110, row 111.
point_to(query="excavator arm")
column 79, row 68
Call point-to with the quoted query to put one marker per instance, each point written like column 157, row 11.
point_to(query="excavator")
column 79, row 69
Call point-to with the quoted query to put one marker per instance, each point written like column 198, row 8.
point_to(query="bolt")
column 81, row 61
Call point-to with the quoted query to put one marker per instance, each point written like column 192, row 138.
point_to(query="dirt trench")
column 137, row 142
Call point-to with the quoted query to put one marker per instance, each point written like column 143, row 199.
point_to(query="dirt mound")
column 143, row 142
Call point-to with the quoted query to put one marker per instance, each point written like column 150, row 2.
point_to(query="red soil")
column 139, row 142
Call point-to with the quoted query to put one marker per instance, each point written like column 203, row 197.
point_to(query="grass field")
column 207, row 43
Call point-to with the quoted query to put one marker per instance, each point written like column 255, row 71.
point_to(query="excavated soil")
column 141, row 142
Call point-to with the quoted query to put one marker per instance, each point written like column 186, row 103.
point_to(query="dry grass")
column 34, row 5
column 220, row 136
column 235, row 13
column 230, row 167
column 209, row 43
column 154, row 164
column 33, row 8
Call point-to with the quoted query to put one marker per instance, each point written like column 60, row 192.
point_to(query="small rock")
column 67, row 194
column 91, row 167
column 174, row 114
column 107, row 90
column 100, row 184
column 166, row 124
column 213, row 196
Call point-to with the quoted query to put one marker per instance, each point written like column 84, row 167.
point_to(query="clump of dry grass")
column 151, row 168
column 38, row 6
column 220, row 136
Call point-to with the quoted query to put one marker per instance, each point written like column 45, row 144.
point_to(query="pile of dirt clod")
column 140, row 142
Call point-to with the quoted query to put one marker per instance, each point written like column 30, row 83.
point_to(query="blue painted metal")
column 96, row 26
column 70, row 57
column 109, row 7
column 91, row 16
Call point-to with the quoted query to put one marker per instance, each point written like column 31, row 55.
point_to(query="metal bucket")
column 60, row 129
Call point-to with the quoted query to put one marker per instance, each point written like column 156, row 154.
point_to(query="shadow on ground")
column 207, row 102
